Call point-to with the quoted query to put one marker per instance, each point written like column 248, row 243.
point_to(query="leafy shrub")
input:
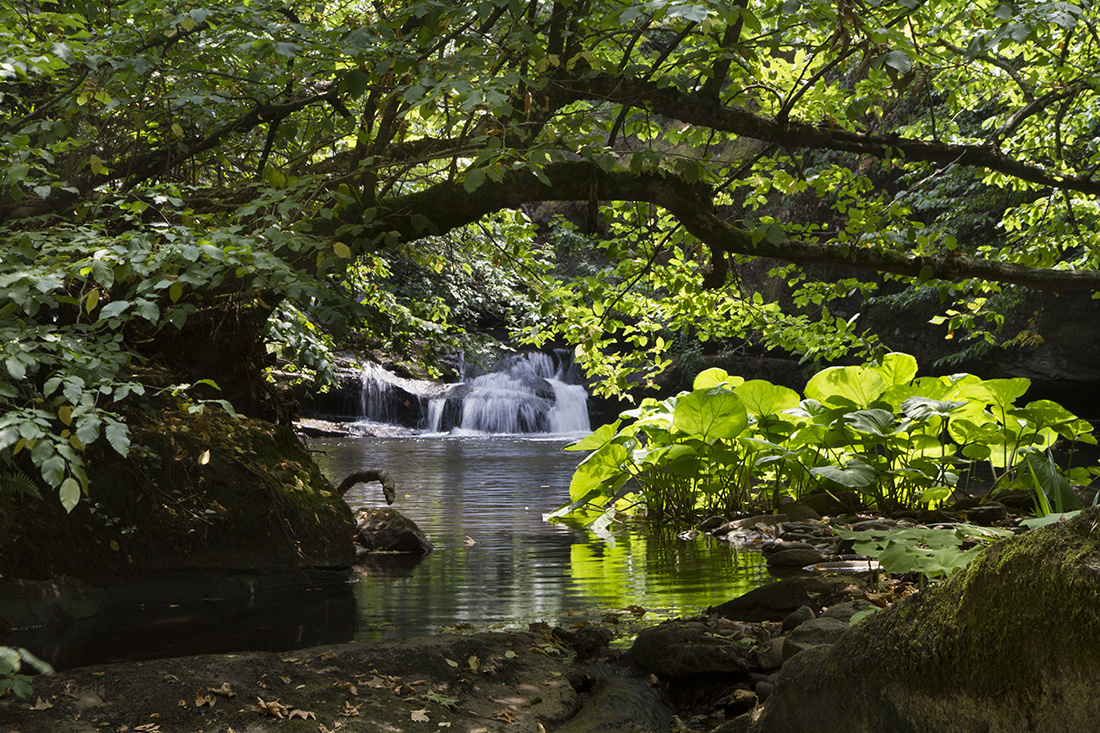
column 12, row 679
column 730, row 446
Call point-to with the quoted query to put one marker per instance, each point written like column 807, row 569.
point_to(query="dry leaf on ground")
column 420, row 716
column 41, row 704
column 274, row 708
column 348, row 687
column 350, row 711
column 506, row 715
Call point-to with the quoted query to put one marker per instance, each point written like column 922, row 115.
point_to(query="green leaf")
column 854, row 475
column 69, row 493
column 897, row 368
column 710, row 414
column 473, row 180
column 859, row 385
column 598, row 438
column 605, row 463
column 761, row 397
column 119, row 437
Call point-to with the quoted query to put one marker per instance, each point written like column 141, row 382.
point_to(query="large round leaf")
column 859, row 385
column 711, row 414
column 761, row 397
column 897, row 368
column 715, row 377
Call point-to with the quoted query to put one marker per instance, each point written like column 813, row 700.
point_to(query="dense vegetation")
column 190, row 192
column 893, row 440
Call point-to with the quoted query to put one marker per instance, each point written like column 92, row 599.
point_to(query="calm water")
column 496, row 563
column 481, row 501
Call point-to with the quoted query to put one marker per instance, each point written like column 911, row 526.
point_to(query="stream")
column 481, row 500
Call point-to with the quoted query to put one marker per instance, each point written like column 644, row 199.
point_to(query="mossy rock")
column 1010, row 644
column 197, row 492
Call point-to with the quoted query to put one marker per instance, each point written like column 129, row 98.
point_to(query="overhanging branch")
column 451, row 206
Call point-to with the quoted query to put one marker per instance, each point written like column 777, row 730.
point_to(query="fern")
column 14, row 481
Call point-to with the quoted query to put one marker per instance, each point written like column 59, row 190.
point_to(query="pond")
column 481, row 500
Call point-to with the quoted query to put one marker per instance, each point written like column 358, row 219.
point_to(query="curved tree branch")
column 699, row 109
column 693, row 205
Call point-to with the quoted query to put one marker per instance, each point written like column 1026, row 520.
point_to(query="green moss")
column 1032, row 598
column 196, row 492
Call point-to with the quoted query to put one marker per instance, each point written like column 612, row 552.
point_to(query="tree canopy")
column 191, row 188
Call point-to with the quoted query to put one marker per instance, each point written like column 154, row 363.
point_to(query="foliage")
column 211, row 190
column 729, row 446
column 934, row 554
column 12, row 679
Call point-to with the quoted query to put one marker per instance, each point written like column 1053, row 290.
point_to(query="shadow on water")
column 481, row 501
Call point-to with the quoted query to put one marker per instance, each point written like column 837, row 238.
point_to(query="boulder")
column 775, row 601
column 388, row 530
column 811, row 633
column 794, row 559
column 687, row 648
column 1012, row 643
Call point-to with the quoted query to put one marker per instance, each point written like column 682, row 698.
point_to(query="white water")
column 530, row 393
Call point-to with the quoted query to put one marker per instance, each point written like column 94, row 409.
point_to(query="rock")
column 688, row 648
column 768, row 520
column 797, row 617
column 28, row 603
column 740, row 724
column 1011, row 643
column 387, row 530
column 710, row 523
column 495, row 682
column 774, row 601
column 937, row 516
column 769, row 653
column 987, row 514
column 764, row 690
column 794, row 559
column 780, row 545
column 845, row 611
column 879, row 524
column 799, row 512
column 811, row 633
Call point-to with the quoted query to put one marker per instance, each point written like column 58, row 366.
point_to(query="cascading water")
column 528, row 393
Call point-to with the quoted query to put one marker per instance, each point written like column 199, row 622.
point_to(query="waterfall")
column 529, row 393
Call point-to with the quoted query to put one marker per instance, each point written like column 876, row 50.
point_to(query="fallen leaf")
column 506, row 715
column 148, row 728
column 98, row 674
column 538, row 627
column 181, row 704
column 349, row 687
column 350, row 711
column 451, row 662
column 636, row 611
column 303, row 714
column 202, row 699
column 275, row 709
column 285, row 680
column 225, row 690
column 447, row 702
column 420, row 716
column 42, row 705
column 473, row 662
column 469, row 541
column 510, row 654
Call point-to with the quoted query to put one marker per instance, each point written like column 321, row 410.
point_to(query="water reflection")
column 481, row 501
